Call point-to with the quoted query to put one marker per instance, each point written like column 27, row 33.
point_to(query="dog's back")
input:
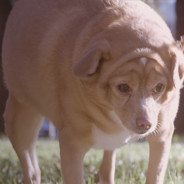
column 38, row 49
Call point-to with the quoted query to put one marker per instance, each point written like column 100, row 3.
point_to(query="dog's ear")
column 91, row 61
column 177, row 68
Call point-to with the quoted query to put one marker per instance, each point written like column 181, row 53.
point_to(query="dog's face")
column 135, row 90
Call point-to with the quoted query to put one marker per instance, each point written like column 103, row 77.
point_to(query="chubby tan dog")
column 105, row 72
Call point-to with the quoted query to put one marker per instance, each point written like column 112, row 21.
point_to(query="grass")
column 131, row 163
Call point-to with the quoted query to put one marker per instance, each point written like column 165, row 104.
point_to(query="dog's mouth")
column 141, row 132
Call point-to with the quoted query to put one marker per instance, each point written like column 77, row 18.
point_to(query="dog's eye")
column 158, row 88
column 124, row 88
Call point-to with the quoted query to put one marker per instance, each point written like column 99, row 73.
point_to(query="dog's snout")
column 143, row 125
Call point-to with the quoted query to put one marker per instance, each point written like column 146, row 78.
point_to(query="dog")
column 105, row 72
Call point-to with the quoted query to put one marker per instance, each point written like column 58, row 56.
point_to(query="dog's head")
column 135, row 88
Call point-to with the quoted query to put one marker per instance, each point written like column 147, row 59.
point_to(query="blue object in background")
column 48, row 130
column 44, row 132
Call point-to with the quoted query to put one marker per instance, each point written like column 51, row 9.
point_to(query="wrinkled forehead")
column 142, row 66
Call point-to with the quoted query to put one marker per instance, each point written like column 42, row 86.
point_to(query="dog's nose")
column 143, row 125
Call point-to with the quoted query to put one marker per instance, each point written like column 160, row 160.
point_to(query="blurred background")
column 172, row 12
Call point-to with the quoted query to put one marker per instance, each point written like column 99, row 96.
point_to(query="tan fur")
column 65, row 60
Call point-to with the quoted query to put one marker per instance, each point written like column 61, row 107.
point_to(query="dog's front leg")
column 159, row 155
column 72, row 151
column 107, row 169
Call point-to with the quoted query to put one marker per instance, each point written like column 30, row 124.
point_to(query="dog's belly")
column 112, row 141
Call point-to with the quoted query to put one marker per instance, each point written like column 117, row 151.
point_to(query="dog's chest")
column 111, row 141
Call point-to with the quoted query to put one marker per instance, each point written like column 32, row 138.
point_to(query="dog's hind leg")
column 22, row 127
column 107, row 169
